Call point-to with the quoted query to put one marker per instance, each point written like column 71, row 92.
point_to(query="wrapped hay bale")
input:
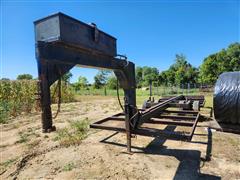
column 226, row 102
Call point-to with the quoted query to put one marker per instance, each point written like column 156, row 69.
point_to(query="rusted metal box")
column 62, row 28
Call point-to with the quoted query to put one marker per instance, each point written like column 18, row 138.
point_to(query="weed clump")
column 25, row 136
column 74, row 134
column 68, row 167
column 6, row 164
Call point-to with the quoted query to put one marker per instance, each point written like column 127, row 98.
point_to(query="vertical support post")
column 150, row 88
column 127, row 81
column 128, row 128
column 45, row 98
column 130, row 103
column 211, row 112
column 105, row 91
column 177, row 86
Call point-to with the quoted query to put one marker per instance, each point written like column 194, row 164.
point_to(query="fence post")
column 163, row 91
column 150, row 88
column 105, row 91
column 185, row 88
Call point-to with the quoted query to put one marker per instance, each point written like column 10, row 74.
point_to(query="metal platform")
column 151, row 121
column 201, row 99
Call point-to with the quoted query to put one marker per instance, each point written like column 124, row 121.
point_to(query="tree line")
column 180, row 72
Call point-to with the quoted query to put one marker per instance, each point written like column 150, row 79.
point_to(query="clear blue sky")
column 149, row 33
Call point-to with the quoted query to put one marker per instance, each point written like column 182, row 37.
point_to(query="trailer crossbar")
column 158, row 115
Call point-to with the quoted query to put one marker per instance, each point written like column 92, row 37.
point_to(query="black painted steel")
column 63, row 42
column 62, row 28
column 145, row 128
column 226, row 101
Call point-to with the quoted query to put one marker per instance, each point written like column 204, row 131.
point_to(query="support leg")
column 128, row 128
column 45, row 100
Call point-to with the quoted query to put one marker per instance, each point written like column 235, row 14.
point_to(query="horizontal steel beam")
column 114, row 117
column 180, row 112
column 155, row 110
column 63, row 53
column 111, row 128
column 152, row 132
column 177, row 117
column 171, row 122
column 179, row 105
column 201, row 99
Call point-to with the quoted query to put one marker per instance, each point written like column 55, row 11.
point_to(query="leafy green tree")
column 5, row 79
column 192, row 74
column 209, row 70
column 149, row 74
column 24, row 77
column 139, row 76
column 181, row 72
column 170, row 73
column 146, row 74
column 222, row 61
column 112, row 82
column 180, row 61
column 162, row 78
column 81, row 83
column 66, row 77
column 233, row 54
column 180, row 75
column 101, row 78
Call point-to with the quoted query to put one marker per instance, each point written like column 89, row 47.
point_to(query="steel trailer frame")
column 162, row 113
column 63, row 42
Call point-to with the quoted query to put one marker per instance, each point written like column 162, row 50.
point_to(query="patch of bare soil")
column 27, row 153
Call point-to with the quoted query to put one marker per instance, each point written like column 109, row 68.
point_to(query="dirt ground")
column 27, row 153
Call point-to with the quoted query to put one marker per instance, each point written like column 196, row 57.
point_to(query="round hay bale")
column 226, row 101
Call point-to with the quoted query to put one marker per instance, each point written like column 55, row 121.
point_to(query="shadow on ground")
column 189, row 160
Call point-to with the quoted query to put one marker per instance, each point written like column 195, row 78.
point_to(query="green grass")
column 156, row 91
column 7, row 163
column 25, row 136
column 141, row 94
column 33, row 144
column 209, row 100
column 69, row 167
column 74, row 134
column 144, row 95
